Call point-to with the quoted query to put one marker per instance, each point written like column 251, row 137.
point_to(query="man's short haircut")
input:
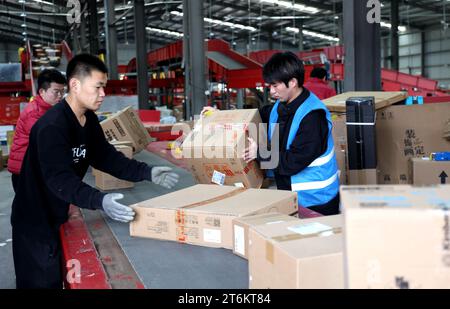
column 282, row 67
column 319, row 73
column 46, row 77
column 82, row 66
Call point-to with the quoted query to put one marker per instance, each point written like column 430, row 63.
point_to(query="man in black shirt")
column 63, row 144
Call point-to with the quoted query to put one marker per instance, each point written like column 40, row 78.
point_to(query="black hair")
column 282, row 67
column 46, row 77
column 319, row 72
column 82, row 65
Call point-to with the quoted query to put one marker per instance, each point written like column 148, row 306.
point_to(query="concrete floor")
column 7, row 278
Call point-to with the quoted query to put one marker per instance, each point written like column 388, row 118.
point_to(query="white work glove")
column 117, row 211
column 207, row 110
column 163, row 176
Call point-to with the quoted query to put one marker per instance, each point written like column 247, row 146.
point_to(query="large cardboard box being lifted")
column 126, row 126
column 302, row 254
column 242, row 225
column 405, row 132
column 105, row 181
column 213, row 149
column 396, row 236
column 203, row 214
column 428, row 172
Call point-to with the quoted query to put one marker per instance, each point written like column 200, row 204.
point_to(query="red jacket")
column 28, row 117
column 320, row 88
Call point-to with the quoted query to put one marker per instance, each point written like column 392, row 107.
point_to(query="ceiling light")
column 291, row 5
column 166, row 32
column 220, row 22
column 388, row 25
column 313, row 34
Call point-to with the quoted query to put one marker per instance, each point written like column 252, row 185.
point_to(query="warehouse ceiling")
column 254, row 21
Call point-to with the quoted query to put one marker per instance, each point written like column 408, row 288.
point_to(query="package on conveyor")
column 301, row 254
column 104, row 181
column 203, row 214
column 242, row 225
column 125, row 125
column 396, row 236
column 214, row 147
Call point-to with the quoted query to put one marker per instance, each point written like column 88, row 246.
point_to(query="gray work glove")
column 117, row 211
column 163, row 176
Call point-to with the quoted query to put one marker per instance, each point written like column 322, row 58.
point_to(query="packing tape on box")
column 295, row 236
column 180, row 214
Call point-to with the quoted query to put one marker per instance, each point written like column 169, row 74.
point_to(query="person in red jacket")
column 51, row 85
column 318, row 85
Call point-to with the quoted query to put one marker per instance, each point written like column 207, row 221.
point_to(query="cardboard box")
column 339, row 133
column 405, row 132
column 213, row 149
column 104, row 181
column 116, row 143
column 382, row 99
column 203, row 214
column 126, row 126
column 396, row 236
column 242, row 225
column 427, row 172
column 303, row 254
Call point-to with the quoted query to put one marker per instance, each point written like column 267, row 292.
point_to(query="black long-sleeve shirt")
column 309, row 143
column 58, row 156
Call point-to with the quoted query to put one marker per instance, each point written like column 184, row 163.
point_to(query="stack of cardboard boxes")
column 402, row 133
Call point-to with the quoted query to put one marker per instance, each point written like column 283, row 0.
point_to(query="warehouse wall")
column 437, row 54
column 125, row 52
column 9, row 52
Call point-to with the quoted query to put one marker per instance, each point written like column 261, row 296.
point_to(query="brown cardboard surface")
column 241, row 226
column 427, row 172
column 366, row 176
column 203, row 214
column 382, row 99
column 302, row 254
column 105, row 181
column 126, row 126
column 396, row 236
column 405, row 132
column 339, row 133
column 215, row 145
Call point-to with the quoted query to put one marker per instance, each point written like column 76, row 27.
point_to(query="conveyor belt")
column 165, row 264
